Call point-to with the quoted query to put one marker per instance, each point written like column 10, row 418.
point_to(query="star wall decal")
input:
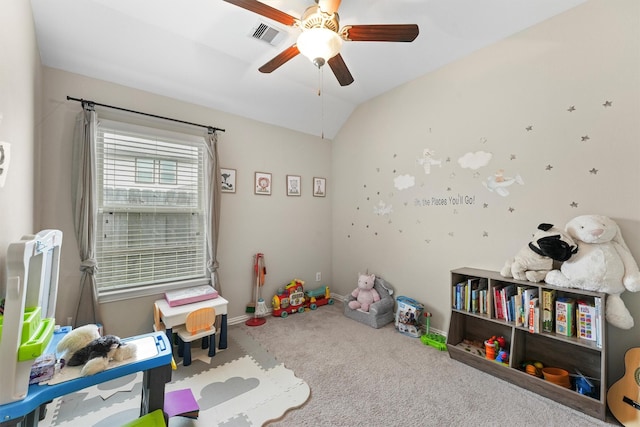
column 585, row 138
column 485, row 205
column 529, row 128
column 549, row 167
column 448, row 188
column 511, row 209
column 476, row 174
column 574, row 205
column 427, row 240
column 512, row 157
column 451, row 234
column 485, row 234
column 448, row 160
column 571, row 109
column 483, row 140
column 593, row 171
column 607, row 104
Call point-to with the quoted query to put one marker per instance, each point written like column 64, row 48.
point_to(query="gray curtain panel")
column 213, row 193
column 85, row 212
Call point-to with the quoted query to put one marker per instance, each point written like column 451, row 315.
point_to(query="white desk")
column 176, row 316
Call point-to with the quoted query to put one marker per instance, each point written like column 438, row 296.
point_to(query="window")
column 150, row 186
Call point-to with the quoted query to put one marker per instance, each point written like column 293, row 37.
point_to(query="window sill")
column 128, row 294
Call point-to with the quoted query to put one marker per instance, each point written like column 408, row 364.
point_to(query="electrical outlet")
column 318, row 276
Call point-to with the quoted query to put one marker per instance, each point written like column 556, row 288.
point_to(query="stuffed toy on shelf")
column 536, row 258
column 603, row 264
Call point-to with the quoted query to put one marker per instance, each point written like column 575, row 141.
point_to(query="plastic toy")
column 502, row 357
column 28, row 319
column 318, row 297
column 434, row 340
column 289, row 300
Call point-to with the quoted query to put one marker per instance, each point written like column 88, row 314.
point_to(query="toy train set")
column 294, row 299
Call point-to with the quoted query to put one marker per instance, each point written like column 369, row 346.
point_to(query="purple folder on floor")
column 181, row 403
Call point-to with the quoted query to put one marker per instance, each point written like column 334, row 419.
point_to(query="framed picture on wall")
column 262, row 184
column 319, row 187
column 294, row 187
column 228, row 179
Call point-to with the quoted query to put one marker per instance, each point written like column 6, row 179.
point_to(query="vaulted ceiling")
column 207, row 52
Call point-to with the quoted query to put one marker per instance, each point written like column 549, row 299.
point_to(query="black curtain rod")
column 211, row 129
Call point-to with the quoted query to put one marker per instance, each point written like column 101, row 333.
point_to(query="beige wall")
column 20, row 83
column 485, row 102
column 292, row 232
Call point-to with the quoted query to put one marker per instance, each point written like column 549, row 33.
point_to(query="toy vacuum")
column 259, row 307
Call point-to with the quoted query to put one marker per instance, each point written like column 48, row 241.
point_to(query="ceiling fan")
column 321, row 37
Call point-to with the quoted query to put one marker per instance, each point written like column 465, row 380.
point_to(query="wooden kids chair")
column 199, row 324
column 158, row 324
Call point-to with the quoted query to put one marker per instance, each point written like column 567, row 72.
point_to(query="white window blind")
column 150, row 186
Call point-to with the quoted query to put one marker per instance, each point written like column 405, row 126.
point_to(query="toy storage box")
column 408, row 316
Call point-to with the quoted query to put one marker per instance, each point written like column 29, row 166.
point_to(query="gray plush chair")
column 380, row 313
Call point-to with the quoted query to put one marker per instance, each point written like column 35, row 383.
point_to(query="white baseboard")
column 342, row 298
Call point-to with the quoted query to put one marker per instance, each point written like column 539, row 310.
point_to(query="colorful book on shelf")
column 597, row 302
column 497, row 303
column 467, row 296
column 586, row 321
column 527, row 295
column 534, row 315
column 473, row 285
column 548, row 309
column 453, row 296
column 460, row 295
column 517, row 307
column 507, row 292
column 565, row 316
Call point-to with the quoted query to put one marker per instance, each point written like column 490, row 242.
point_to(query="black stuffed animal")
column 96, row 355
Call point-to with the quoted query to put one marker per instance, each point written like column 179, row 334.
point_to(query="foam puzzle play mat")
column 242, row 385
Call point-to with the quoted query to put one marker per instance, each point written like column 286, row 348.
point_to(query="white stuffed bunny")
column 603, row 264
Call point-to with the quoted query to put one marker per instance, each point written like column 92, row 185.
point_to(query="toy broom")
column 259, row 270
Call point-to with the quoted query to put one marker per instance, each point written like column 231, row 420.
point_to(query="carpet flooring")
column 241, row 386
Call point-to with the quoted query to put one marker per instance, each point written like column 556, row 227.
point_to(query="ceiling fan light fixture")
column 319, row 45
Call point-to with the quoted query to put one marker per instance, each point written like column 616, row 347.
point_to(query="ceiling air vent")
column 266, row 33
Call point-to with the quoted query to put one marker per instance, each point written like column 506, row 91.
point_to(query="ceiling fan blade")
column 329, row 6
column 280, row 59
column 265, row 10
column 380, row 33
column 340, row 70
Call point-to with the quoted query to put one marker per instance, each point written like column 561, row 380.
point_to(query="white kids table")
column 176, row 316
